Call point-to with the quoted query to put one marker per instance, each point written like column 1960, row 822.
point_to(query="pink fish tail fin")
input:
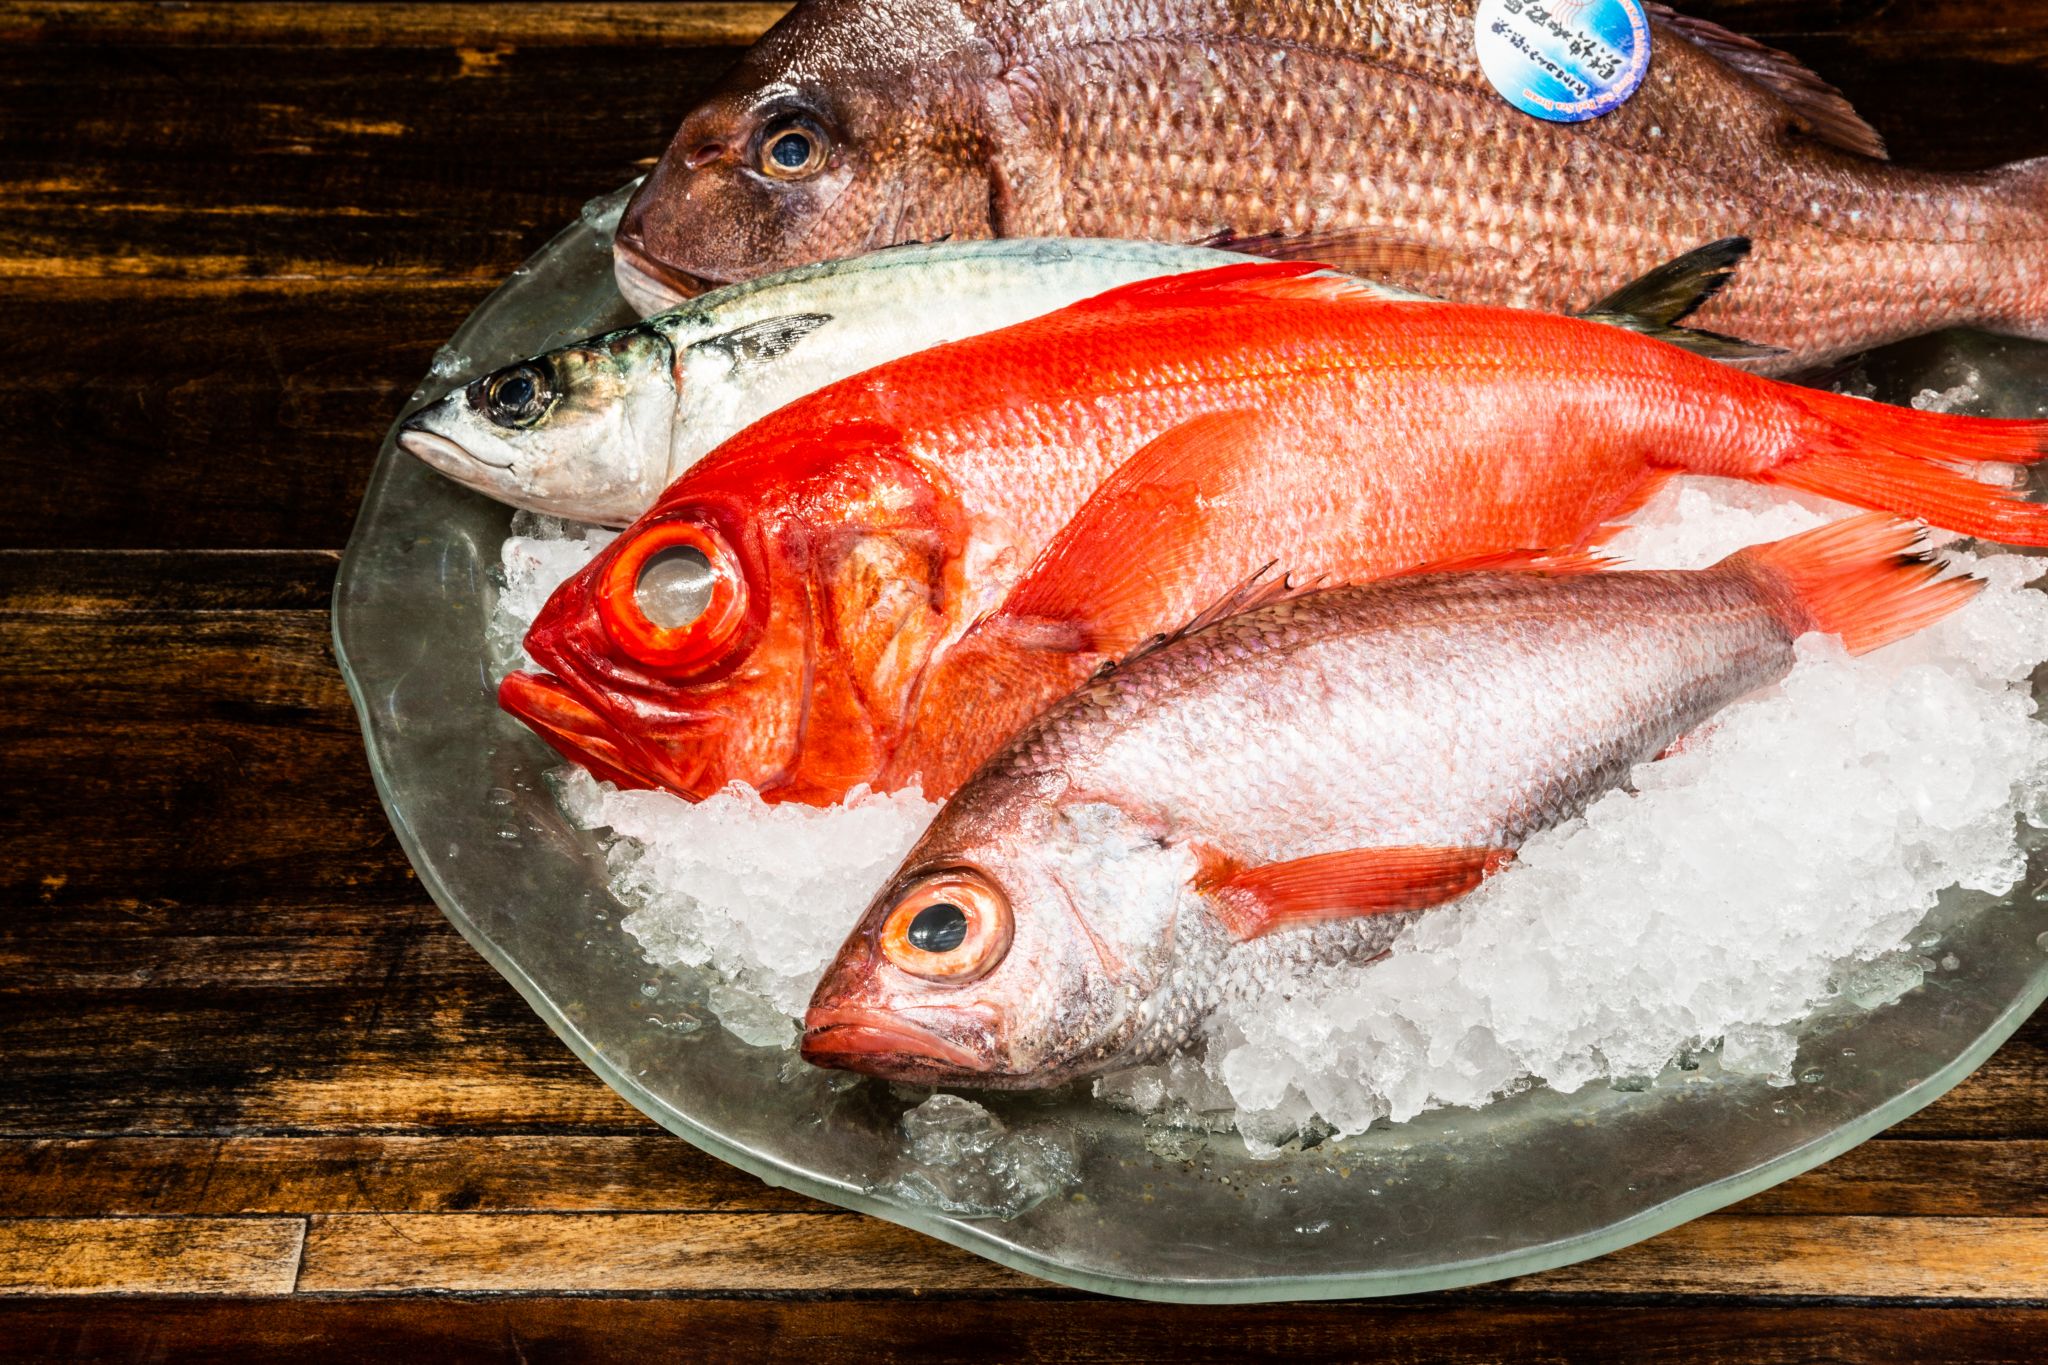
column 1915, row 464
column 2023, row 270
column 1865, row 579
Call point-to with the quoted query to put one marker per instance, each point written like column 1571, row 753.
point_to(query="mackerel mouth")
column 438, row 452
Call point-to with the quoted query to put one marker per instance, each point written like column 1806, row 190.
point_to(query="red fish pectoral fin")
column 1122, row 568
column 1361, row 881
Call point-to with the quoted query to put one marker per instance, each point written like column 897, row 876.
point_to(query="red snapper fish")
column 1290, row 785
column 1310, row 126
column 881, row 581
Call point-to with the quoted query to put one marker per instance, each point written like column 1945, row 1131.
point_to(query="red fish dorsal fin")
column 1252, row 901
column 1240, row 282
column 1821, row 109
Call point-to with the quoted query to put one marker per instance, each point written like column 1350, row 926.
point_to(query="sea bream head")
column 844, row 129
column 1024, row 942
column 582, row 432
column 761, row 623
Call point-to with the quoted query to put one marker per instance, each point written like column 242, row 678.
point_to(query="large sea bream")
column 1359, row 132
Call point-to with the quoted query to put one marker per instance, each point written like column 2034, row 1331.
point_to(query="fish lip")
column 644, row 280
column 438, row 452
column 549, row 707
column 844, row 1037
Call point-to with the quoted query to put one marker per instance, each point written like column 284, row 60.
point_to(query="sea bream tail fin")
column 1866, row 579
column 1905, row 462
column 1654, row 304
column 1250, row 901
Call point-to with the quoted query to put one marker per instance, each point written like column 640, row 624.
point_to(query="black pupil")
column 938, row 929
column 515, row 392
column 791, row 150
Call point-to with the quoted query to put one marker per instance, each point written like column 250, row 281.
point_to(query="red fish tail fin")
column 1865, row 579
column 1906, row 462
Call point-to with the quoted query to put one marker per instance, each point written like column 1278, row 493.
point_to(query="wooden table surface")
column 257, row 1097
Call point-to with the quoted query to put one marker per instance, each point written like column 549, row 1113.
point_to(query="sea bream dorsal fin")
column 1819, row 108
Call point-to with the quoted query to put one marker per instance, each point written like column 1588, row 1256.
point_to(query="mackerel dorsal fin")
column 1654, row 304
column 1239, row 281
column 1820, row 109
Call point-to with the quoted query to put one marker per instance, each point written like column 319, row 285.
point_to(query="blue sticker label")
column 1564, row 60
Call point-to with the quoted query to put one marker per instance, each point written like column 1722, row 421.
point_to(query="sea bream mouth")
column 646, row 283
column 878, row 1043
column 545, row 705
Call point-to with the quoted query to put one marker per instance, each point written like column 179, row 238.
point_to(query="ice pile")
column 960, row 1159
column 1776, row 863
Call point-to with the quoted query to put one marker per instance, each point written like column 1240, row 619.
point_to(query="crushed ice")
column 960, row 1159
column 1857, row 790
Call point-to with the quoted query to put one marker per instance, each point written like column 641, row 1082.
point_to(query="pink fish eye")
column 951, row 927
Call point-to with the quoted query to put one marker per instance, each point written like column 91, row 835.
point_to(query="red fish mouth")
column 583, row 736
column 882, row 1044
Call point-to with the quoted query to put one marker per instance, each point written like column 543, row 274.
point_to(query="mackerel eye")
column 675, row 596
column 515, row 396
column 951, row 927
column 792, row 149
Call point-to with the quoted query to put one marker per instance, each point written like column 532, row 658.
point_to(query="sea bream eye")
column 949, row 927
column 792, row 150
column 515, row 396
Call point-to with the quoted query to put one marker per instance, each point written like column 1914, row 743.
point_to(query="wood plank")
column 386, row 25
column 102, row 584
column 1033, row 1330
column 1959, row 1258
column 656, row 1173
column 149, row 1255
column 1826, row 1256
column 501, row 1252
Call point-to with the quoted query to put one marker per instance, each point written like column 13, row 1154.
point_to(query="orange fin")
column 1110, row 573
column 1865, row 579
column 1820, row 109
column 1241, row 282
column 1360, row 881
column 1898, row 460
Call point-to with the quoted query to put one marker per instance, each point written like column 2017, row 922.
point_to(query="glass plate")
column 1453, row 1198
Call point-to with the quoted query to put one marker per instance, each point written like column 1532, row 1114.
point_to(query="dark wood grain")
column 1031, row 1331
column 260, row 1100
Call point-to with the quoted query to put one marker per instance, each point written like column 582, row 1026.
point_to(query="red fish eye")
column 674, row 597
column 949, row 927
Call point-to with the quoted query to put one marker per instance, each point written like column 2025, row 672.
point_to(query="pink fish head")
column 1018, row 946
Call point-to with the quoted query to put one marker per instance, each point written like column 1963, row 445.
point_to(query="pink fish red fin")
column 1361, row 881
column 1820, row 109
column 1112, row 570
column 1242, row 282
column 1864, row 579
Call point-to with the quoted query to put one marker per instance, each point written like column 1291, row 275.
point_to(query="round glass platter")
column 1455, row 1197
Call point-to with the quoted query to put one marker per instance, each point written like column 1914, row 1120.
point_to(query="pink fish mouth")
column 581, row 735
column 880, row 1044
